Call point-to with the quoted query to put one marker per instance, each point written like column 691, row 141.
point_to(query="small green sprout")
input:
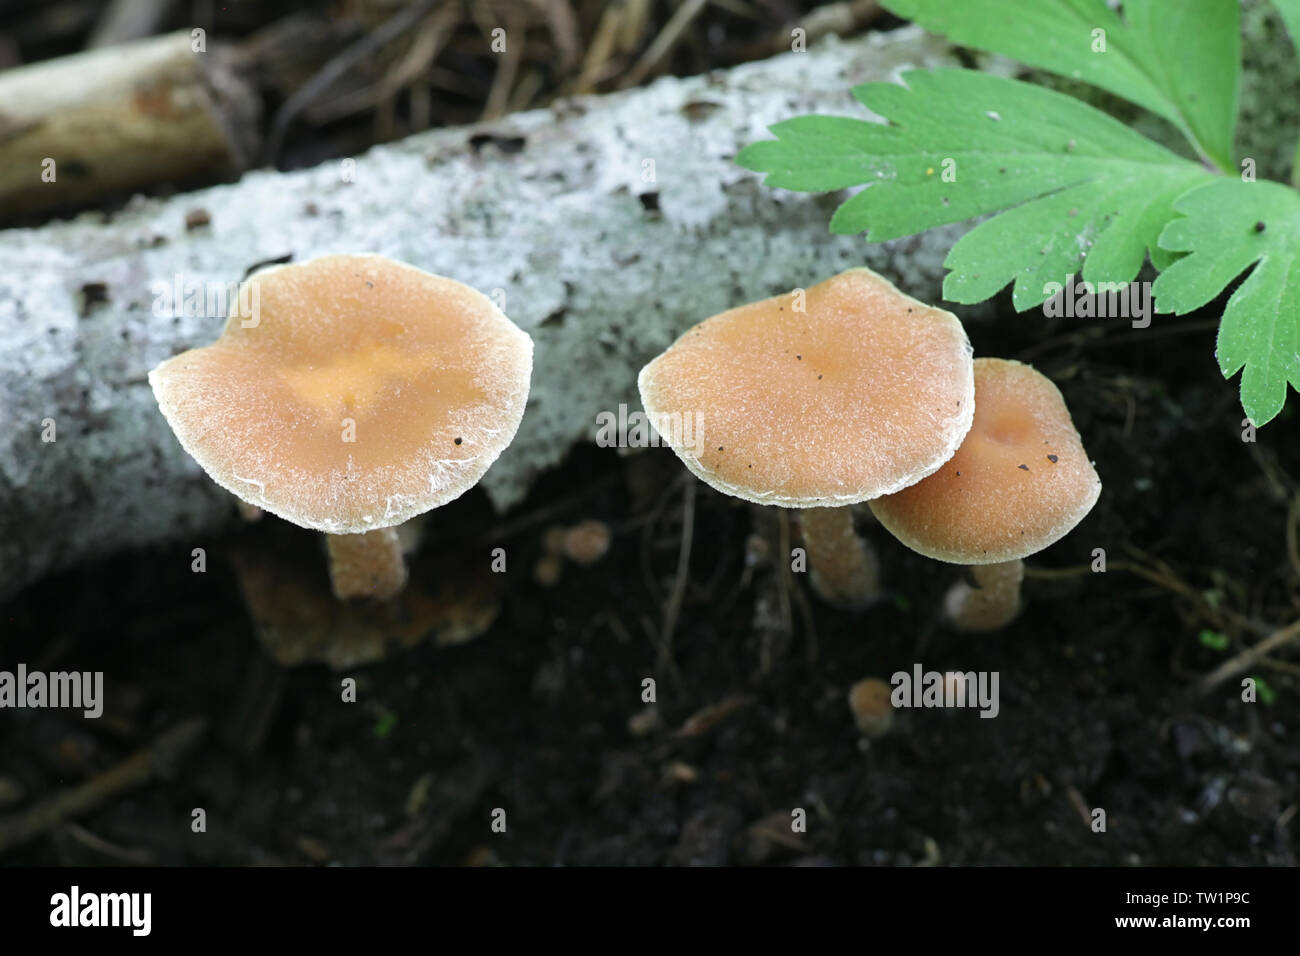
column 1214, row 640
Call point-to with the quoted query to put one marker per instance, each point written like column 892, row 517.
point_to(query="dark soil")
column 1097, row 702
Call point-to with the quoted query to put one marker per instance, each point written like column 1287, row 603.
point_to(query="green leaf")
column 1267, row 695
column 1290, row 11
column 1214, row 640
column 1082, row 189
column 1181, row 59
column 1230, row 226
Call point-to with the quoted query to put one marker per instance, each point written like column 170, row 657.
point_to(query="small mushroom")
column 361, row 392
column 586, row 542
column 818, row 400
column 1019, row 482
column 870, row 701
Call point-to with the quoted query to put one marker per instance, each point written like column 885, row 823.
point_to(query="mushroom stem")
column 845, row 571
column 366, row 565
column 992, row 603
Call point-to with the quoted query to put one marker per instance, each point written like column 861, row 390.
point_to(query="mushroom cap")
column 1019, row 482
column 425, row 375
column 863, row 392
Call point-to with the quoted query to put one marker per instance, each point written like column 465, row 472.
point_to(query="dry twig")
column 134, row 771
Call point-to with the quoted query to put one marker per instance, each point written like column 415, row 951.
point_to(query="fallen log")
column 604, row 225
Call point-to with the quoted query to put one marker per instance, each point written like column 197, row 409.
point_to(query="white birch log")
column 609, row 224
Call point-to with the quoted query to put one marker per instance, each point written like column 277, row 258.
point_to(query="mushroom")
column 360, row 393
column 817, row 400
column 871, row 703
column 1019, row 482
column 586, row 542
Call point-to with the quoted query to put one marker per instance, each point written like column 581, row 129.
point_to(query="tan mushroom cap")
column 426, row 374
column 862, row 393
column 1020, row 481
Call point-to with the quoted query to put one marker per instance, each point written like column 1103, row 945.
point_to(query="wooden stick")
column 135, row 770
column 77, row 129
column 1247, row 658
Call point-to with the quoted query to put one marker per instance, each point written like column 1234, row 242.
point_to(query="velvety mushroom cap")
column 1020, row 481
column 863, row 392
column 362, row 392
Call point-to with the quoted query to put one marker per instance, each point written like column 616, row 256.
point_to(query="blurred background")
column 290, row 84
